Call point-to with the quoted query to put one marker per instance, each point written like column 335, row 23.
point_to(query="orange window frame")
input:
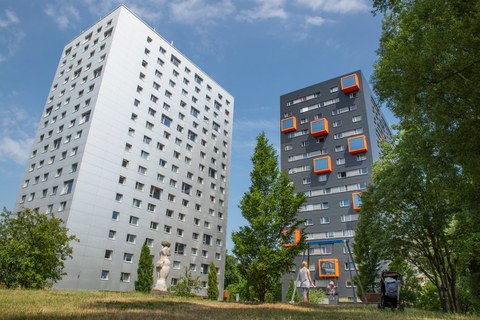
column 358, row 150
column 322, row 270
column 350, row 88
column 296, row 235
column 322, row 170
column 289, row 129
column 319, row 132
column 354, row 203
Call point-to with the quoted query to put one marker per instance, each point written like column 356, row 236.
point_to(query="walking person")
column 305, row 281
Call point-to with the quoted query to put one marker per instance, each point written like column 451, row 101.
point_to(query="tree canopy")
column 427, row 73
column 33, row 248
column 144, row 281
column 270, row 207
column 409, row 213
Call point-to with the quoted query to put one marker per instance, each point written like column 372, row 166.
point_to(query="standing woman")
column 305, row 281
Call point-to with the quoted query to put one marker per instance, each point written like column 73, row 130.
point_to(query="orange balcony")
column 319, row 127
column 357, row 144
column 289, row 124
column 349, row 83
column 322, row 165
column 328, row 268
column 356, row 201
column 293, row 238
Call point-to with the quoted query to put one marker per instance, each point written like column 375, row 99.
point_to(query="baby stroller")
column 390, row 290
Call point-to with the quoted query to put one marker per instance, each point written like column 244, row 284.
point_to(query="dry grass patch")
column 47, row 304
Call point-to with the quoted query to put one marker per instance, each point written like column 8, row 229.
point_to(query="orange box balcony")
column 319, row 127
column 357, row 144
column 289, row 124
column 349, row 83
column 293, row 240
column 322, row 165
column 356, row 202
column 328, row 268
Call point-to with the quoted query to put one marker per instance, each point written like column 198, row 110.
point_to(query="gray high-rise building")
column 133, row 147
column 330, row 137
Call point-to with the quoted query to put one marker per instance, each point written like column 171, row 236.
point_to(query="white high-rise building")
column 133, row 146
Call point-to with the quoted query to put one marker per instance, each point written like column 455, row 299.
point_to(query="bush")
column 429, row 298
column 291, row 287
column 316, row 296
column 187, row 286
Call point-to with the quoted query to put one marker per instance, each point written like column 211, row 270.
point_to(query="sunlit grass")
column 48, row 304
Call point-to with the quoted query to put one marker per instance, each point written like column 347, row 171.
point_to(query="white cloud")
column 64, row 15
column 315, row 21
column 17, row 128
column 195, row 11
column 11, row 34
column 15, row 149
column 266, row 9
column 335, row 6
column 9, row 19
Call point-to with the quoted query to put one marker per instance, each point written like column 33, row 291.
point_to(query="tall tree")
column 270, row 207
column 33, row 248
column 412, row 212
column 428, row 73
column 368, row 253
column 212, row 291
column 144, row 281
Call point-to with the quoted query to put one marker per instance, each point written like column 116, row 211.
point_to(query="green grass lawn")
column 49, row 304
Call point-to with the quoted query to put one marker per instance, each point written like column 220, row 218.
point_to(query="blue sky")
column 256, row 49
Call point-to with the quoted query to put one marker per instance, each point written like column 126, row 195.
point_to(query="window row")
column 327, row 219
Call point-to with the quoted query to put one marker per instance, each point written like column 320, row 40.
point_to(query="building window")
column 108, row 254
column 128, row 257
column 97, row 73
column 137, row 203
column 180, row 248
column 133, row 220
column 166, row 120
column 104, row 275
column 112, row 234
column 344, row 203
column 207, row 239
column 67, row 187
column 131, row 238
column 125, row 277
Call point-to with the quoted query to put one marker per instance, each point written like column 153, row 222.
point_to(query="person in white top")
column 305, row 281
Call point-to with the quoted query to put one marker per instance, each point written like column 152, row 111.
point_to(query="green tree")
column 212, row 291
column 33, row 248
column 144, row 281
column 368, row 254
column 412, row 212
column 187, row 285
column 232, row 276
column 291, row 288
column 427, row 73
column 270, row 207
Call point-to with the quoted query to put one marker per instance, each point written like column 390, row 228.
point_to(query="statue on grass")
column 162, row 267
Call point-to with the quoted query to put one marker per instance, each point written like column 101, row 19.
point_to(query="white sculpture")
column 163, row 267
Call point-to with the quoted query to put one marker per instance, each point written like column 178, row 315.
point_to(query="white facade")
column 133, row 146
